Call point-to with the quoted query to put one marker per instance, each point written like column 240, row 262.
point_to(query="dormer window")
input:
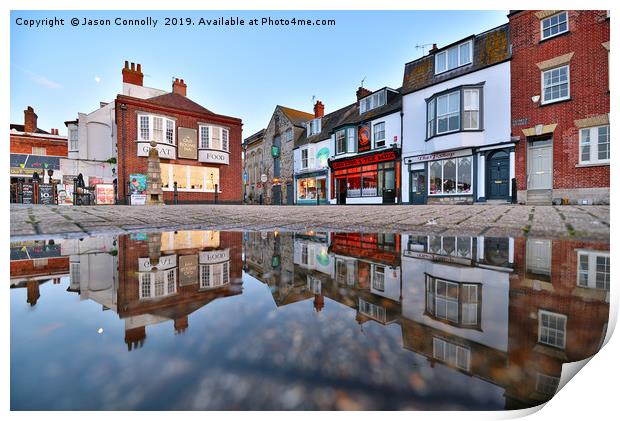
column 372, row 101
column 453, row 57
column 314, row 126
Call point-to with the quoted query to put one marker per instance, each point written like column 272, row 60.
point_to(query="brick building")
column 560, row 105
column 198, row 148
column 34, row 150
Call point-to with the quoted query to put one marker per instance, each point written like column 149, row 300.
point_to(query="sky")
column 240, row 71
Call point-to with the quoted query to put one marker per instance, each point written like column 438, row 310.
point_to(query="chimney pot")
column 132, row 75
column 139, row 68
column 319, row 109
column 432, row 50
column 133, row 66
column 179, row 87
column 126, row 64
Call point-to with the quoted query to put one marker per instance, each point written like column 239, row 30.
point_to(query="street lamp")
column 50, row 172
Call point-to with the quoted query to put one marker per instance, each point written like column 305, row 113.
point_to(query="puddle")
column 233, row 320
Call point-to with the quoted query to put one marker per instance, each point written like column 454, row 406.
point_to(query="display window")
column 311, row 188
column 189, row 177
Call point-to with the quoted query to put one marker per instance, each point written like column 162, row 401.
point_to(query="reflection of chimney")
column 362, row 92
column 319, row 302
column 30, row 120
column 434, row 49
column 319, row 109
column 179, row 87
column 180, row 325
column 134, row 338
column 32, row 288
column 133, row 74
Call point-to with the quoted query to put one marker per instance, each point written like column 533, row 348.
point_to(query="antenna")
column 313, row 98
column 362, row 81
column 422, row 47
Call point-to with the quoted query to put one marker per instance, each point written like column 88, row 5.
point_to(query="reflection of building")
column 167, row 276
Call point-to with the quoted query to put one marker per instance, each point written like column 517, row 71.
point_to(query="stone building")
column 276, row 167
column 252, row 166
column 560, row 105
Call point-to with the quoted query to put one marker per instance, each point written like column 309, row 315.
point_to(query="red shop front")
column 372, row 178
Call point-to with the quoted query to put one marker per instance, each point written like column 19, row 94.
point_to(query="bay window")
column 450, row 176
column 455, row 302
column 594, row 145
column 453, row 57
column 204, row 137
column 556, row 84
column 379, row 135
column 189, row 177
column 156, row 128
column 213, row 137
column 453, row 111
column 345, row 140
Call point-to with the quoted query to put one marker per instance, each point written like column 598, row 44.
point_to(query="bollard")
column 215, row 194
column 514, row 190
column 128, row 200
column 176, row 194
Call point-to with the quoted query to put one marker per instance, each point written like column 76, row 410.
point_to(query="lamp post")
column 50, row 173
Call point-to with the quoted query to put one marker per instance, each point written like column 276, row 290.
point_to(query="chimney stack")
column 30, row 120
column 179, row 87
column 434, row 49
column 133, row 74
column 362, row 92
column 319, row 109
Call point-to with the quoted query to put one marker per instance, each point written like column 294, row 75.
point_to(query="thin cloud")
column 43, row 81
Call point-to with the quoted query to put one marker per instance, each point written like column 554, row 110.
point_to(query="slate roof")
column 20, row 128
column 328, row 122
column 298, row 118
column 489, row 48
column 180, row 102
column 255, row 137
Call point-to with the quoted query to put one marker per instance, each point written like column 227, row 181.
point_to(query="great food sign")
column 165, row 151
column 213, row 157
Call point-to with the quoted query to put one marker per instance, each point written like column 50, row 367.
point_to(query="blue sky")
column 239, row 71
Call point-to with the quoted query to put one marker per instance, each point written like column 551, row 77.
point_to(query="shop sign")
column 437, row 156
column 46, row 194
column 436, row 257
column 104, row 194
column 27, row 194
column 214, row 256
column 213, row 157
column 27, row 164
column 165, row 262
column 188, row 270
column 364, row 160
column 165, row 151
column 363, row 138
column 275, row 151
column 188, row 143
column 138, row 199
column 322, row 156
column 137, row 183
column 68, row 179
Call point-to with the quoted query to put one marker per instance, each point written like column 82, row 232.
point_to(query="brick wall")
column 23, row 144
column 129, row 162
column 589, row 92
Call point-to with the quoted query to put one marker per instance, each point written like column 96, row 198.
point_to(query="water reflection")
column 319, row 320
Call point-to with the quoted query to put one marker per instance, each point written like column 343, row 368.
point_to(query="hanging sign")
column 363, row 138
column 187, row 143
column 188, row 270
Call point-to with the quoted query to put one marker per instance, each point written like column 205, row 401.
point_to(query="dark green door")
column 498, row 173
column 417, row 187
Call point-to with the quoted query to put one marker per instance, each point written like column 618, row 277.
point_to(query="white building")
column 456, row 126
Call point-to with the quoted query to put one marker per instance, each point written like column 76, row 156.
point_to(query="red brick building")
column 35, row 150
column 560, row 105
column 198, row 149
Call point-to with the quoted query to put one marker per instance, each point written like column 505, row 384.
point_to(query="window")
column 351, row 140
column 378, row 280
column 372, row 101
column 307, row 158
column 379, row 134
column 156, row 128
column 430, row 119
column 593, row 270
column 341, row 142
column 455, row 302
column 74, row 273
column 189, row 177
column 145, row 282
column 554, row 25
column 204, row 137
column 454, row 57
column 310, row 188
column 289, row 135
column 369, row 183
column 446, row 113
column 213, row 137
column 556, row 86
column 450, row 176
column 314, row 126
column 451, row 354
column 171, row 281
column 372, row 310
column 471, row 108
column 594, row 145
column 73, row 140
column 39, row 150
column 225, row 140
column 551, row 329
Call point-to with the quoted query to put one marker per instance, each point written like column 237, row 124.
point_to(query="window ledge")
column 559, row 101
column 554, row 36
column 593, row 164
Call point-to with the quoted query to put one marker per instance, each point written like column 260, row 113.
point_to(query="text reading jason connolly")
column 174, row 21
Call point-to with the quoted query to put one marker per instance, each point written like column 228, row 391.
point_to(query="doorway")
column 341, row 191
column 289, row 194
column 389, row 186
column 417, row 187
column 540, row 164
column 498, row 175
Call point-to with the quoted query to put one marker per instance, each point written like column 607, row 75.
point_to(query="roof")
column 20, row 128
column 178, row 101
column 489, row 48
column 295, row 116
column 254, row 138
column 328, row 122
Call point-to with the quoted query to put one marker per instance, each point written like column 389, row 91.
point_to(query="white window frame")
column 540, row 328
column 448, row 114
column 167, row 125
column 372, row 101
column 456, row 193
column 593, row 144
column 542, row 84
column 542, row 23
column 216, row 275
column 342, row 132
column 378, row 142
column 209, row 131
column 472, row 108
column 73, row 140
column 314, row 126
column 440, row 352
column 372, row 310
column 147, row 281
column 592, row 269
column 378, row 277
column 442, row 57
column 205, row 140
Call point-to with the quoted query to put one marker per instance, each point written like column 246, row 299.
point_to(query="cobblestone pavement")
column 42, row 222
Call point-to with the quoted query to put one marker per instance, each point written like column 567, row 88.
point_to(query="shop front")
column 372, row 178
column 311, row 188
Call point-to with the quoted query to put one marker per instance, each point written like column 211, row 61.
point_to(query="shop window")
column 594, row 145
column 369, row 184
column 554, row 25
column 443, row 176
column 556, row 84
column 189, row 177
column 355, row 185
column 379, row 134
